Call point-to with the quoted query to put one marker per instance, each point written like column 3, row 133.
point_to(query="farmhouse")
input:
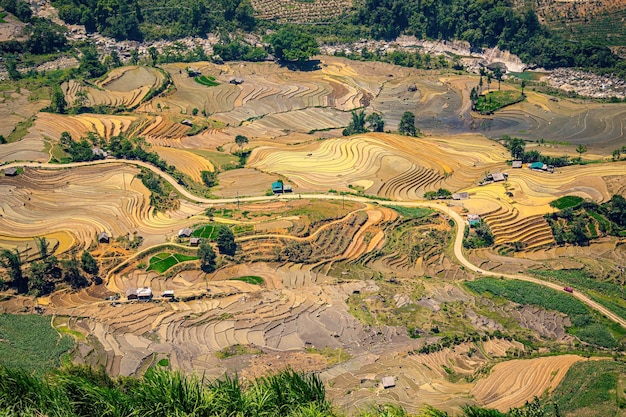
column 460, row 196
column 499, row 176
column 473, row 219
column 236, row 81
column 10, row 172
column 186, row 232
column 168, row 294
column 389, row 382
column 516, row 164
column 287, row 188
column 277, row 187
column 131, row 294
column 103, row 237
column 194, row 241
column 187, row 122
column 144, row 294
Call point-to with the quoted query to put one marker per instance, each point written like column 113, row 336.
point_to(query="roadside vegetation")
column 589, row 327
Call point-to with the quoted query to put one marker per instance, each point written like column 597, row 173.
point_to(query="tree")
column 57, row 103
column 38, row 282
column 154, row 55
column 10, row 64
column 489, row 77
column 42, row 245
column 497, row 74
column 209, row 178
column 12, row 261
column 523, row 86
column 516, row 146
column 134, row 56
column 207, row 256
column 376, row 122
column 226, row 241
column 241, row 140
column 616, row 154
column 407, row 124
column 88, row 263
column 3, row 140
column 290, row 44
column 72, row 275
column 474, row 96
column 581, row 149
column 357, row 125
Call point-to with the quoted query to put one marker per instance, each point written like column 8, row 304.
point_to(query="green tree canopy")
column 290, row 44
column 207, row 256
column 226, row 241
column 407, row 124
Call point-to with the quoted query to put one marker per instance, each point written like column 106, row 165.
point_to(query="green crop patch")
column 206, row 81
column 208, row 231
column 163, row 261
column 250, row 279
column 566, row 201
column 413, row 212
column 30, row 343
column 496, row 100
column 592, row 385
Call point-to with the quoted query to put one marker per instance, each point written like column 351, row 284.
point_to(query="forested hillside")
column 484, row 23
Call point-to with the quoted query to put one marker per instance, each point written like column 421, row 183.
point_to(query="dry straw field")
column 335, row 282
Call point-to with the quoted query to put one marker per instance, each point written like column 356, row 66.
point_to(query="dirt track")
column 458, row 243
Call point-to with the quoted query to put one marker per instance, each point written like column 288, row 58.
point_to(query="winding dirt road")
column 460, row 222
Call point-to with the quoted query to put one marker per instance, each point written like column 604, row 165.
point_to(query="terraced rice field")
column 294, row 120
column 125, row 86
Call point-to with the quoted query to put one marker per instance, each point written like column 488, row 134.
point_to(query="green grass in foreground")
column 206, row 81
column 30, row 343
column 593, row 388
column 566, row 201
column 163, row 261
column 414, row 212
column 250, row 279
column 495, row 100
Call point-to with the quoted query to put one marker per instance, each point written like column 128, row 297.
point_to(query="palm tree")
column 12, row 261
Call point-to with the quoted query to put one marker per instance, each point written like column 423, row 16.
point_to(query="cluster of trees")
column 484, row 23
column 479, row 236
column 441, row 193
column 588, row 220
column 412, row 59
column 47, row 271
column 154, row 19
column 517, row 147
column 226, row 245
column 43, row 36
column 376, row 123
column 357, row 124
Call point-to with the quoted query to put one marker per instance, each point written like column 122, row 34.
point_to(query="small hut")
column 104, row 237
column 389, row 382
